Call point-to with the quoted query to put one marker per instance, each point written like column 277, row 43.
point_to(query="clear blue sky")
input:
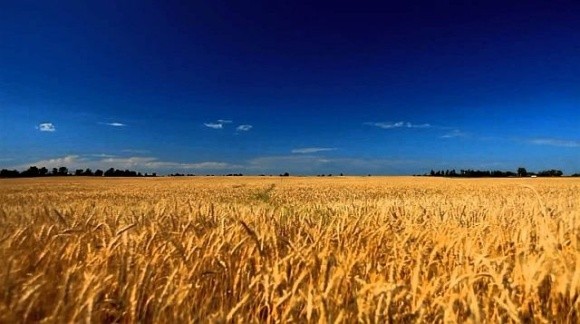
column 270, row 86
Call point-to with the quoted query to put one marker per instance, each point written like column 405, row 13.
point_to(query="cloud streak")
column 454, row 134
column 555, row 142
column 114, row 124
column 219, row 124
column 309, row 150
column 394, row 125
column 46, row 127
column 244, row 128
column 214, row 125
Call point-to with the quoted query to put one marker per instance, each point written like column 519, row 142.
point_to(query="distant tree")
column 9, row 173
column 110, row 172
column 43, row 171
column 129, row 173
column 88, row 172
column 286, row 174
column 522, row 172
column 79, row 172
column 99, row 173
column 32, row 171
column 62, row 171
column 54, row 171
column 550, row 173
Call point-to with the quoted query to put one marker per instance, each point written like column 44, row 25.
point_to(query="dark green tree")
column 33, row 171
column 63, row 171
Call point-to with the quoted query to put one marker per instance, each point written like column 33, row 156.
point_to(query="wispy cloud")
column 214, row 125
column 46, row 127
column 308, row 150
column 219, row 124
column 400, row 124
column 67, row 161
column 454, row 134
column 134, row 163
column 244, row 128
column 114, row 124
column 153, row 163
column 103, row 155
column 555, row 142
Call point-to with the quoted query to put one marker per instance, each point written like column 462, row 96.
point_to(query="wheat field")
column 277, row 250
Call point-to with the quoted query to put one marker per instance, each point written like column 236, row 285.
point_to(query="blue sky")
column 270, row 86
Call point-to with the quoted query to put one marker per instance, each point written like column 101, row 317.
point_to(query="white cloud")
column 211, row 165
column 308, row 150
column 103, row 155
column 556, row 142
column 46, row 127
column 219, row 124
column 409, row 125
column 152, row 163
column 386, row 125
column 454, row 134
column 104, row 162
column 244, row 128
column 400, row 124
column 67, row 161
column 114, row 124
column 214, row 125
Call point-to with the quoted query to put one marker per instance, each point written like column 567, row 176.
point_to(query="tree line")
column 520, row 172
column 33, row 172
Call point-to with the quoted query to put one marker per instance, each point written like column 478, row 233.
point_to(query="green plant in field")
column 264, row 195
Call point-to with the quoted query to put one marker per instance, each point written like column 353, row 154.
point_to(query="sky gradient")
column 219, row 87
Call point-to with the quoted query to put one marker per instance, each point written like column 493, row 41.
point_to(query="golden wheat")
column 290, row 250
